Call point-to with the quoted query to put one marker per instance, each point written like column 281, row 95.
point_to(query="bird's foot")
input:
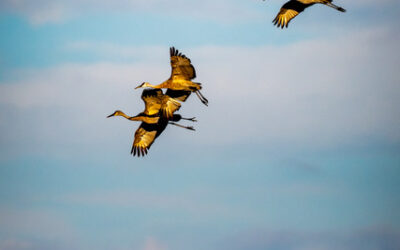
column 193, row 119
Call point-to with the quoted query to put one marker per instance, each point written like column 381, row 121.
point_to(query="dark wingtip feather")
column 139, row 151
column 277, row 22
column 175, row 52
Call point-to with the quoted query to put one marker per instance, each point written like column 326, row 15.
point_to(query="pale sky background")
column 299, row 148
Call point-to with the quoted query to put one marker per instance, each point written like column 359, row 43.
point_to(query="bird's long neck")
column 134, row 118
column 311, row 2
column 131, row 118
column 145, row 118
column 123, row 115
column 159, row 86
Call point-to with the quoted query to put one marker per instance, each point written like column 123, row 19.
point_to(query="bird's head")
column 143, row 85
column 116, row 113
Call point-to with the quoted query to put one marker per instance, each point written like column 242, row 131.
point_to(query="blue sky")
column 298, row 149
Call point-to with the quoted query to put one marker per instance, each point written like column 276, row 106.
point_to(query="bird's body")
column 181, row 78
column 153, row 121
column 176, row 84
column 294, row 7
column 155, row 101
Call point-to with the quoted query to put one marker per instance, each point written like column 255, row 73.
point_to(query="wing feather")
column 181, row 66
column 143, row 140
column 145, row 136
column 171, row 101
column 169, row 106
column 284, row 17
column 289, row 11
column 180, row 95
column 153, row 100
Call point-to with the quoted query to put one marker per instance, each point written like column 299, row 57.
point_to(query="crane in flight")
column 179, row 84
column 153, row 121
column 294, row 7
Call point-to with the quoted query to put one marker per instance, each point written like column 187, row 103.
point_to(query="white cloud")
column 321, row 92
column 38, row 12
column 54, row 11
column 43, row 11
column 186, row 203
column 35, row 229
column 148, row 54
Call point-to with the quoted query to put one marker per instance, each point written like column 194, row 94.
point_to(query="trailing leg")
column 203, row 100
column 193, row 119
column 202, row 96
column 178, row 125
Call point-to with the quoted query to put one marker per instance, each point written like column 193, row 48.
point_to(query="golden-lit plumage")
column 153, row 122
column 182, row 70
column 181, row 77
column 145, row 135
column 152, row 101
column 156, row 100
column 292, row 8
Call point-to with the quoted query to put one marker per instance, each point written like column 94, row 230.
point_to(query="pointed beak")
column 336, row 7
column 110, row 115
column 140, row 86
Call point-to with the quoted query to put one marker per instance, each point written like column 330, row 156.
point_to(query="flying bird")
column 153, row 122
column 180, row 84
column 294, row 7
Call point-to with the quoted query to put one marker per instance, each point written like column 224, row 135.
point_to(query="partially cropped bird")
column 153, row 122
column 294, row 7
column 180, row 83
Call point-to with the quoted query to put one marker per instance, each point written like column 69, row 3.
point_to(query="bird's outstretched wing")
column 153, row 100
column 171, row 101
column 181, row 66
column 180, row 95
column 288, row 11
column 144, row 137
column 169, row 106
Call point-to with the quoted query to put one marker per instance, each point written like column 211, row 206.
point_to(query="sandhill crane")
column 292, row 8
column 180, row 80
column 153, row 122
